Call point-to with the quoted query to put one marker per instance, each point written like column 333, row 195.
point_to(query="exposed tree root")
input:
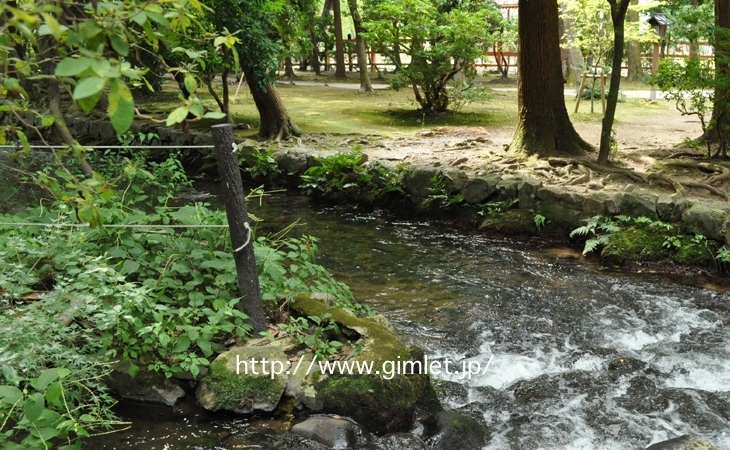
column 712, row 189
column 677, row 185
column 687, row 154
column 701, row 166
column 628, row 173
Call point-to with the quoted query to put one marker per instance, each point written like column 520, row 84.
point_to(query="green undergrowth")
column 146, row 281
column 625, row 239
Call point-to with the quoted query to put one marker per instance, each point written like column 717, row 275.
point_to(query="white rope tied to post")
column 248, row 236
column 235, row 147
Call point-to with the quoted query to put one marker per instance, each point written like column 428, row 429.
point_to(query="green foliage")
column 441, row 39
column 89, row 51
column 53, row 394
column 466, row 91
column 539, row 220
column 593, row 29
column 336, row 173
column 627, row 239
column 690, row 85
column 492, row 209
column 723, row 255
column 288, row 267
column 693, row 23
column 312, row 331
column 264, row 164
column 441, row 195
column 166, row 297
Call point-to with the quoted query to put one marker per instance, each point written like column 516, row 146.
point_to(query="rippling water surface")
column 578, row 358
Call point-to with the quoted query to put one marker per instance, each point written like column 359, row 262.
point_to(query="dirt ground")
column 645, row 145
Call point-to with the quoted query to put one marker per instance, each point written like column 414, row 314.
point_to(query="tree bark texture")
column 618, row 16
column 362, row 60
column 722, row 74
column 275, row 121
column 241, row 238
column 288, row 69
column 544, row 127
column 315, row 53
column 575, row 58
column 340, row 70
column 636, row 72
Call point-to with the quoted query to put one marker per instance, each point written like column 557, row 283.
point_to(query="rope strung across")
column 80, row 225
column 110, row 147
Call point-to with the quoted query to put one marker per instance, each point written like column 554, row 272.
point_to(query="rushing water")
column 578, row 358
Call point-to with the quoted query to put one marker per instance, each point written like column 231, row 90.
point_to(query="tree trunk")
column 288, row 69
column 575, row 60
column 722, row 73
column 340, row 71
column 362, row 60
column 543, row 127
column 315, row 53
column 636, row 73
column 275, row 121
column 241, row 233
column 618, row 16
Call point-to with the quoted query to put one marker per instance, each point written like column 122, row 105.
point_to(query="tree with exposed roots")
column 544, row 127
column 258, row 52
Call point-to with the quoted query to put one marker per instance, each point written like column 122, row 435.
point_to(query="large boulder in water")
column 241, row 380
column 383, row 400
column 133, row 382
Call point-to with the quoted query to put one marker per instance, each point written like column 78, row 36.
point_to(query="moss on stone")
column 637, row 244
column 693, row 254
column 389, row 347
column 233, row 391
column 512, row 221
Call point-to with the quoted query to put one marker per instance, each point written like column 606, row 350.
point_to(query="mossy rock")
column 636, row 244
column 708, row 219
column 235, row 384
column 559, row 216
column 381, row 402
column 512, row 221
column 693, row 254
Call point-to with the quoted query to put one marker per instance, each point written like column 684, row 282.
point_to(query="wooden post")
column 248, row 278
column 654, row 67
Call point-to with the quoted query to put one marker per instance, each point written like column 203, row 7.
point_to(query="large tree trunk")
column 722, row 74
column 362, row 61
column 275, row 121
column 315, row 53
column 618, row 16
column 340, row 71
column 288, row 69
column 575, row 56
column 544, row 127
column 636, row 73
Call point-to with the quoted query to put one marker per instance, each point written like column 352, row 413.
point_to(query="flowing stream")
column 577, row 358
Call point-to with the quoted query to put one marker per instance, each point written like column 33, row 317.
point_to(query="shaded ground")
column 477, row 137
